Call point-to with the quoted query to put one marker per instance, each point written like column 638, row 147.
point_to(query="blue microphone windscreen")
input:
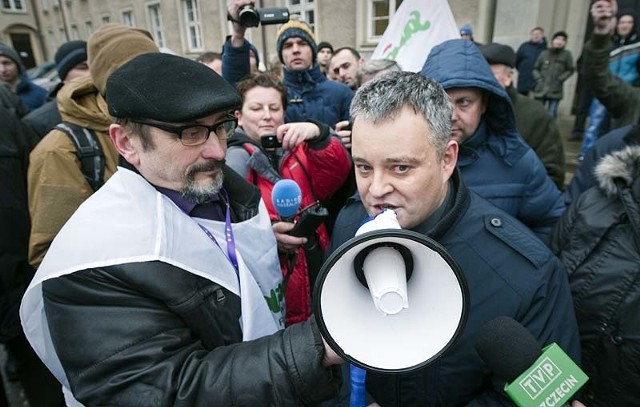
column 507, row 347
column 286, row 197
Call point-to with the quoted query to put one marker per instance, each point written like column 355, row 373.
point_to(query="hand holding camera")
column 290, row 135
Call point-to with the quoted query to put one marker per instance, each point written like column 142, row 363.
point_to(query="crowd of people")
column 144, row 258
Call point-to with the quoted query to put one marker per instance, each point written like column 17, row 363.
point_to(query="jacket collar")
column 312, row 76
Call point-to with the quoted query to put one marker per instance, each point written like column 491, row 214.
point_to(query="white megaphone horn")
column 390, row 300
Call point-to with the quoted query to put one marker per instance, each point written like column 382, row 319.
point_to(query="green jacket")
column 620, row 98
column 540, row 132
column 552, row 68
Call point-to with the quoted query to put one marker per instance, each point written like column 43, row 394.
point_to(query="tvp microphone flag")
column 535, row 377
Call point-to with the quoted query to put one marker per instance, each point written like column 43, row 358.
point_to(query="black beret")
column 496, row 53
column 168, row 88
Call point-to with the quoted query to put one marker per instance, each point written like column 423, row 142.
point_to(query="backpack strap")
column 88, row 150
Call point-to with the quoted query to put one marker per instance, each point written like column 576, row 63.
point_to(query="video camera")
column 252, row 17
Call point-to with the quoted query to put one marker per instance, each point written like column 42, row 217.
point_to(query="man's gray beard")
column 200, row 193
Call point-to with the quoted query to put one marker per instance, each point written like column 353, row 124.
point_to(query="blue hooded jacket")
column 495, row 161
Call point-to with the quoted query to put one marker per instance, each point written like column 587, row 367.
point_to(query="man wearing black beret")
column 532, row 120
column 167, row 278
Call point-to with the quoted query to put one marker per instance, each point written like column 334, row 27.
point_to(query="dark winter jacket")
column 584, row 176
column 526, row 57
column 235, row 61
column 312, row 96
column 43, row 119
column 598, row 240
column 32, row 95
column 620, row 98
column 508, row 271
column 540, row 132
column 11, row 101
column 15, row 272
column 170, row 337
column 552, row 68
column 319, row 167
column 495, row 162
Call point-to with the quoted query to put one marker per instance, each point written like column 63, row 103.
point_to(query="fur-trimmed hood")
column 622, row 165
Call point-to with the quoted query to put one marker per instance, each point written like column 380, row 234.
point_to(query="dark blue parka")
column 508, row 271
column 310, row 94
column 495, row 161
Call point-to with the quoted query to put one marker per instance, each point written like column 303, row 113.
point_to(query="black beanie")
column 324, row 45
column 168, row 88
column 496, row 53
column 7, row 51
column 560, row 34
column 69, row 55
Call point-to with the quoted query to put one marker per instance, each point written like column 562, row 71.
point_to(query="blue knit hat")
column 296, row 28
column 466, row 30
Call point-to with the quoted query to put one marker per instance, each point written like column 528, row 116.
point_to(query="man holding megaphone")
column 405, row 161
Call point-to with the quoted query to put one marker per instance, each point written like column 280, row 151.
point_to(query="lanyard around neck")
column 231, row 244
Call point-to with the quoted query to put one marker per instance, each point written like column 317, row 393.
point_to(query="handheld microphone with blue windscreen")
column 286, row 197
column 535, row 377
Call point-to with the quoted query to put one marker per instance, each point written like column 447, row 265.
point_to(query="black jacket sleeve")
column 153, row 334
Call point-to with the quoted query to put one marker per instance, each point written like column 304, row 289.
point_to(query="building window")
column 88, row 28
column 44, row 4
column 380, row 12
column 13, row 5
column 53, row 44
column 56, row 3
column 75, row 33
column 127, row 18
column 105, row 19
column 63, row 35
column 304, row 8
column 155, row 23
column 193, row 25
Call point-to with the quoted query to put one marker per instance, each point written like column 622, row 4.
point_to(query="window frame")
column 13, row 8
column 195, row 42
column 131, row 16
column 302, row 8
column 156, row 28
column 393, row 6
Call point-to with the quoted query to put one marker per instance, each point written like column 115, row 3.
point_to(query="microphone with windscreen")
column 535, row 377
column 286, row 197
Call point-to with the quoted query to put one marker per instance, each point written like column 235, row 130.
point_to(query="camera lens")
column 249, row 17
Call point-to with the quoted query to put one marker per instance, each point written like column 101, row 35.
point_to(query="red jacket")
column 319, row 168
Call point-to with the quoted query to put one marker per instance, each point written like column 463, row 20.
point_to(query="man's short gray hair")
column 384, row 97
column 373, row 67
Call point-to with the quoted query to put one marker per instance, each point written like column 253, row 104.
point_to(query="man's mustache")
column 211, row 165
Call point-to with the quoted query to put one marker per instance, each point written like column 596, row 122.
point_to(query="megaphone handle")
column 358, row 378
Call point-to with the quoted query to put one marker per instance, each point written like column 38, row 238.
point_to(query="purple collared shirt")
column 213, row 209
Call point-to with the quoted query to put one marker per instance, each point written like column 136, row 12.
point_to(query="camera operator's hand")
column 294, row 134
column 233, row 10
column 286, row 242
column 344, row 132
column 603, row 13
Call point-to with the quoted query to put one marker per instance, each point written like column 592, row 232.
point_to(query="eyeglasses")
column 196, row 134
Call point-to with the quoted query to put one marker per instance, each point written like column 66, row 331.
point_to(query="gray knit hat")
column 7, row 51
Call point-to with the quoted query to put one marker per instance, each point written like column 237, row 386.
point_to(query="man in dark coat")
column 494, row 160
column 405, row 160
column 71, row 63
column 534, row 123
column 526, row 57
column 193, row 318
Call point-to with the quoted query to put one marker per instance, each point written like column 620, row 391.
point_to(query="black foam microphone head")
column 507, row 347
